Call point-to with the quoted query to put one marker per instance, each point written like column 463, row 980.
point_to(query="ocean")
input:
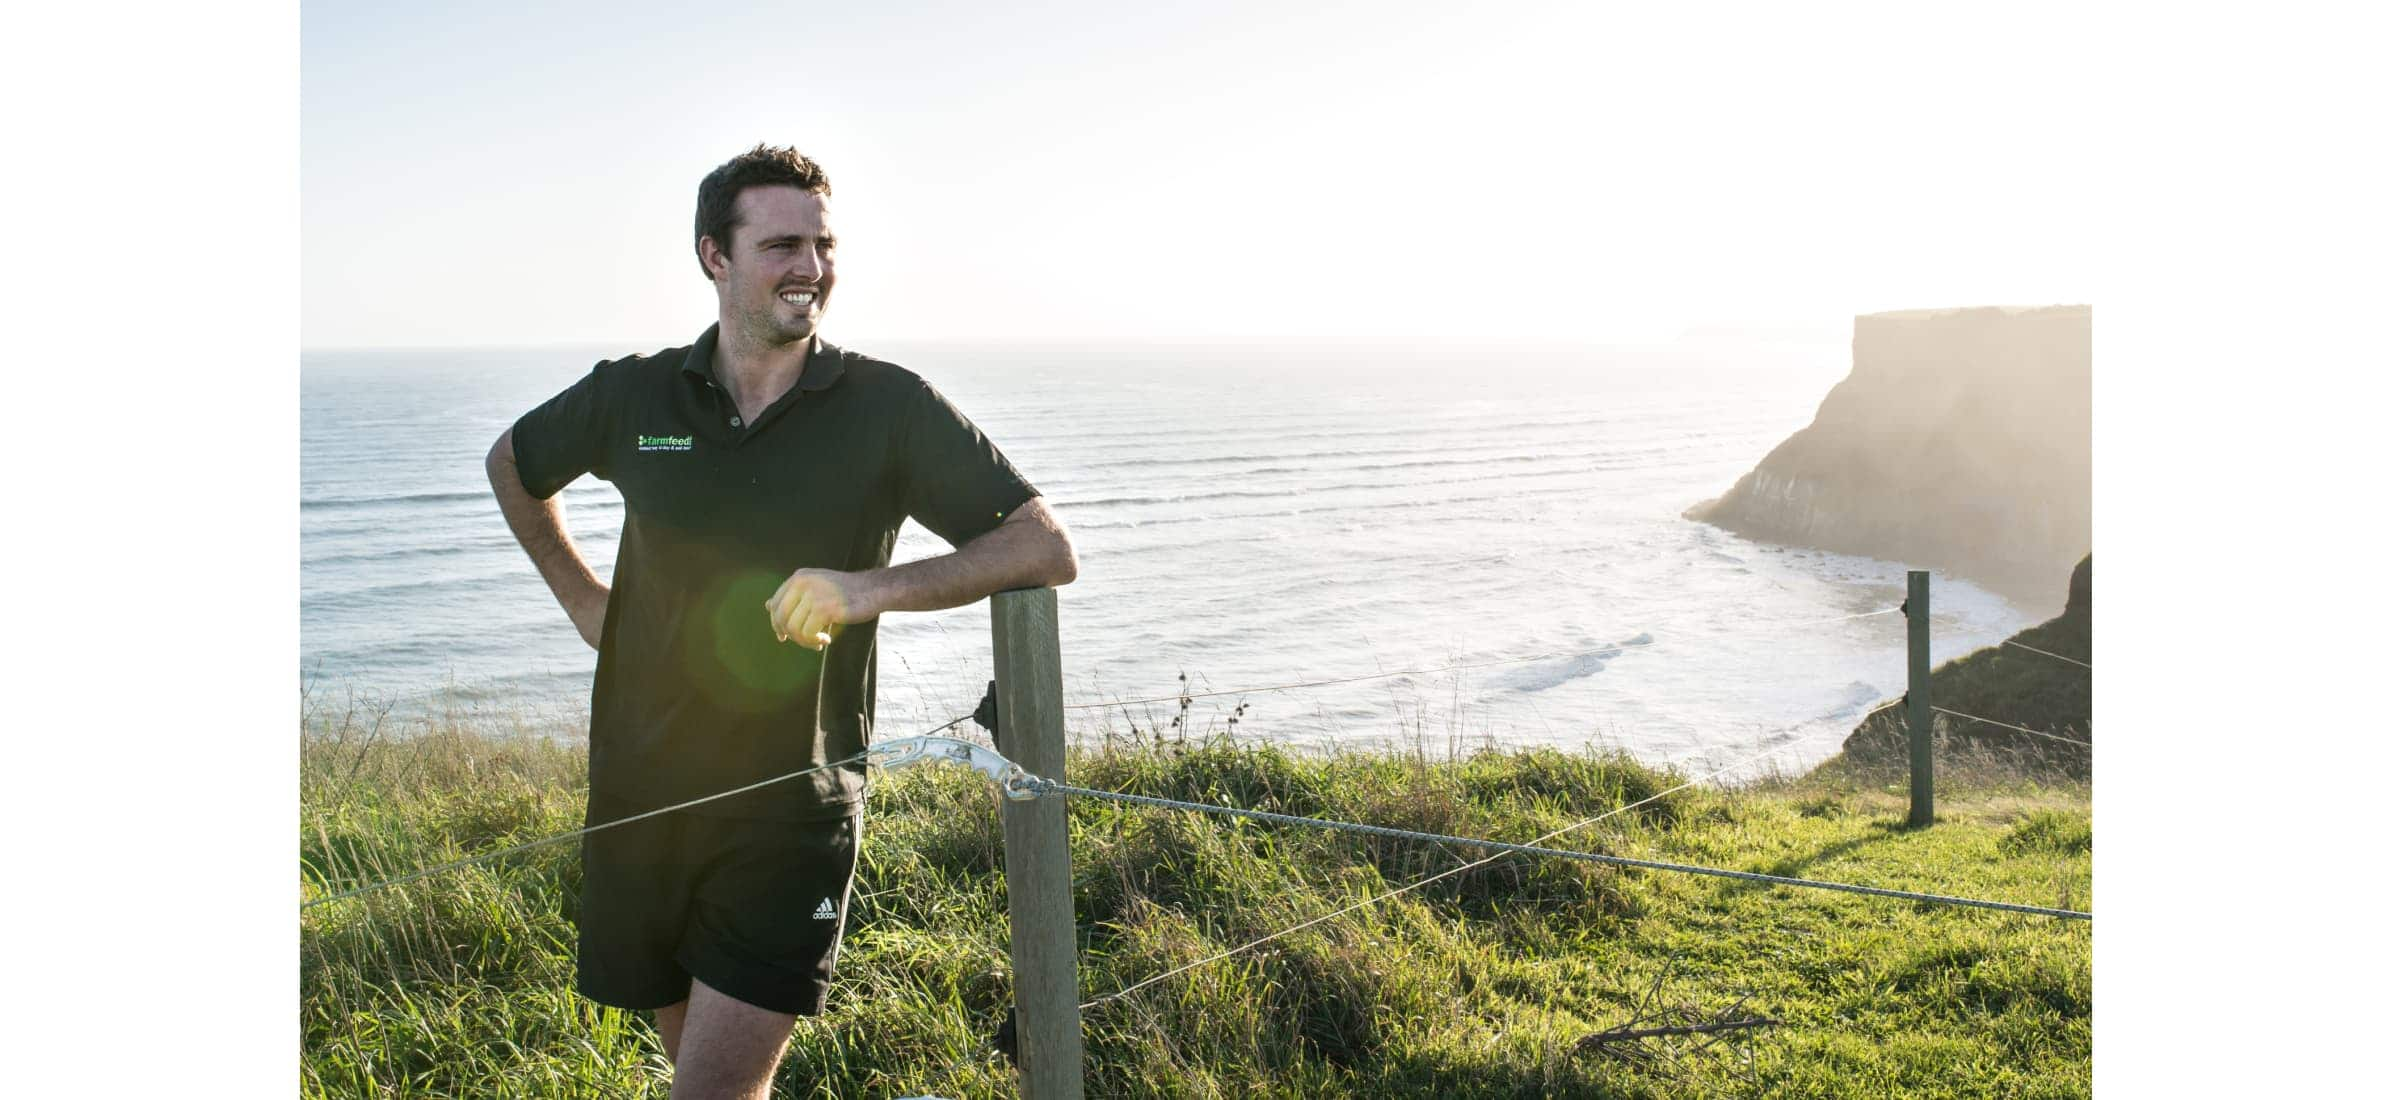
column 1245, row 517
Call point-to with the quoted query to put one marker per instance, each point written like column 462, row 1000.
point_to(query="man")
column 764, row 475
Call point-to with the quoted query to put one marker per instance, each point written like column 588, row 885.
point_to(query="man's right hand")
column 540, row 526
column 589, row 615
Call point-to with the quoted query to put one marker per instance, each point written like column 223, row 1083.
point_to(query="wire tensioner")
column 1007, row 775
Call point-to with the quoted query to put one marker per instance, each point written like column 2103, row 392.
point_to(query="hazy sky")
column 486, row 174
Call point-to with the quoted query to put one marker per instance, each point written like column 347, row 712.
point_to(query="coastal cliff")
column 2006, row 683
column 1961, row 442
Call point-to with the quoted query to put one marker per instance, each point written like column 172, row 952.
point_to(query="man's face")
column 776, row 279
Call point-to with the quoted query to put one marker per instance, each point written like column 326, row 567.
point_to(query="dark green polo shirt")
column 694, row 695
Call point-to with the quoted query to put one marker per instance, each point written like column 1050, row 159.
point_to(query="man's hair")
column 762, row 166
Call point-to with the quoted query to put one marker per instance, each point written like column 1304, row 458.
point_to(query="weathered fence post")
column 1046, row 968
column 1922, row 715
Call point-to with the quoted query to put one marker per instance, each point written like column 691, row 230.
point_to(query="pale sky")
column 1105, row 172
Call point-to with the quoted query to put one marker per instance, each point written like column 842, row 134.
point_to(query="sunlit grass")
column 1484, row 984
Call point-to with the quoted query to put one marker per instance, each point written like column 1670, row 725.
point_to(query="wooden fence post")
column 1922, row 715
column 1046, row 968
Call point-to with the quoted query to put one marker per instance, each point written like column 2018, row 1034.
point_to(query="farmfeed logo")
column 667, row 442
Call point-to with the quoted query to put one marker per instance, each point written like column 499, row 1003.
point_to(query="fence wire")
column 2054, row 656
column 582, row 832
column 1442, row 875
column 2008, row 726
column 1049, row 786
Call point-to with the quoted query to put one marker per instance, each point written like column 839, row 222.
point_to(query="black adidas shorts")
column 752, row 908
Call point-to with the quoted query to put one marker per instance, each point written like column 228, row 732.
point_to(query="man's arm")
column 1029, row 550
column 540, row 526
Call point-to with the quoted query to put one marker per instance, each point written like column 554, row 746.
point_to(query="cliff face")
column 2006, row 684
column 1961, row 442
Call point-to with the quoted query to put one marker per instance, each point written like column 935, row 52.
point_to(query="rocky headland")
column 1961, row 442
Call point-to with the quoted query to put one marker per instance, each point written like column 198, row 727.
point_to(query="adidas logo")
column 825, row 911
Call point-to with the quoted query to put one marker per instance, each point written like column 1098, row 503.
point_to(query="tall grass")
column 1485, row 984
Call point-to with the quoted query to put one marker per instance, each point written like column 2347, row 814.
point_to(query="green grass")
column 1482, row 985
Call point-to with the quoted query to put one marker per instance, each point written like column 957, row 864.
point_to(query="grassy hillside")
column 2006, row 684
column 1487, row 984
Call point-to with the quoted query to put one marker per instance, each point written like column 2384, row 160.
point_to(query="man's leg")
column 637, row 886
column 668, row 1024
column 728, row 1048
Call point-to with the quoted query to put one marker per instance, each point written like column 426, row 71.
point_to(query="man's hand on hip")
column 813, row 604
column 589, row 614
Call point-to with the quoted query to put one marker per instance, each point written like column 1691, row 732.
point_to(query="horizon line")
column 1694, row 336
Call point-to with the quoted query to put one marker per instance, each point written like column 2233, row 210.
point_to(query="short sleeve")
column 955, row 482
column 565, row 437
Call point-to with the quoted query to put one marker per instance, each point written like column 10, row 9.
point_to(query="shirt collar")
column 824, row 363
